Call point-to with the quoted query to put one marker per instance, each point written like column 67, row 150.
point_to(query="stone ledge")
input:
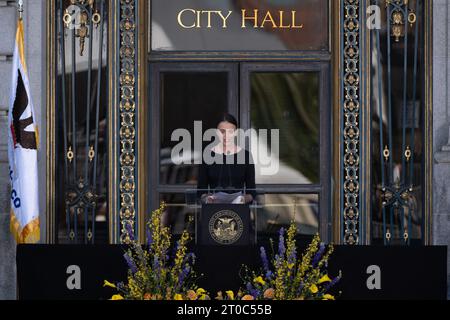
column 443, row 156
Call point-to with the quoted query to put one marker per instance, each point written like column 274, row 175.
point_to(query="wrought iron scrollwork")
column 397, row 180
column 77, row 19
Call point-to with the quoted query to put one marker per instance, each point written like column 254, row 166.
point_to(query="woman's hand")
column 248, row 198
column 208, row 198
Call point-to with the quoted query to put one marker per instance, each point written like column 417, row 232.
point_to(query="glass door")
column 187, row 98
column 283, row 111
column 293, row 170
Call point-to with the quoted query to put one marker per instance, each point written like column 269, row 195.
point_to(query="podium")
column 225, row 225
column 222, row 224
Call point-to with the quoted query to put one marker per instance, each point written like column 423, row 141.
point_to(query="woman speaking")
column 231, row 175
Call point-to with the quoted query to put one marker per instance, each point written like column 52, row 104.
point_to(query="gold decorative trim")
column 428, row 223
column 337, row 118
column 112, row 123
column 366, row 133
column 128, row 129
column 50, row 121
column 143, row 139
column 351, row 123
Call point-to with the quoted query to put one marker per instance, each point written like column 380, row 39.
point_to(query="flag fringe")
column 29, row 234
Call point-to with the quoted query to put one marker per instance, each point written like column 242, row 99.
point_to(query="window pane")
column 178, row 215
column 169, row 35
column 279, row 210
column 187, row 97
column 273, row 212
column 289, row 102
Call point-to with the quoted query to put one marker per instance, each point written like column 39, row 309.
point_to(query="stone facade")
column 441, row 124
column 35, row 35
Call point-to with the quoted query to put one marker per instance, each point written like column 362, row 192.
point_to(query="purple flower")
column 130, row 263
column 149, row 237
column 318, row 255
column 277, row 261
column 265, row 263
column 190, row 256
column 120, row 286
column 264, row 259
column 252, row 291
column 281, row 247
column 332, row 283
column 300, row 288
column 156, row 263
column 183, row 274
column 255, row 293
column 293, row 256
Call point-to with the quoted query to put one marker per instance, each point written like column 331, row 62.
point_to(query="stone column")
column 441, row 125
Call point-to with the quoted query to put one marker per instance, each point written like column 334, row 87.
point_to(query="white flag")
column 22, row 150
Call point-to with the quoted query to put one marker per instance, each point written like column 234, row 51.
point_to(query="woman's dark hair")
column 226, row 117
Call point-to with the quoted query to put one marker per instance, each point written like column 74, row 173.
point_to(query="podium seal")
column 226, row 227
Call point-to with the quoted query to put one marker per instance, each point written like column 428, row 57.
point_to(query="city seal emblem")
column 226, row 227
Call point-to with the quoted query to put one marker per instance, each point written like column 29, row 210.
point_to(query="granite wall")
column 441, row 125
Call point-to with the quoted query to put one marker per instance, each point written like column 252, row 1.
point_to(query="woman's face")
column 227, row 133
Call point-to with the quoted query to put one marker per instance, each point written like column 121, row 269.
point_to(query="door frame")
column 239, row 105
column 130, row 18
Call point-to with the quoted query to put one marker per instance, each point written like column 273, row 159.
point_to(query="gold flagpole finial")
column 20, row 8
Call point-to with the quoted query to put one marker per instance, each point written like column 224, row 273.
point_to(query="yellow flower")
column 248, row 297
column 201, row 291
column 178, row 297
column 109, row 284
column 230, row 294
column 117, row 297
column 291, row 265
column 328, row 297
column 201, row 294
column 259, row 280
column 325, row 278
column 313, row 288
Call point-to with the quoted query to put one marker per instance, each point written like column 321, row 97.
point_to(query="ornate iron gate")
column 81, row 108
column 398, row 105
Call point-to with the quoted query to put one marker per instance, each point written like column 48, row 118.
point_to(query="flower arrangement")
column 153, row 274
column 286, row 276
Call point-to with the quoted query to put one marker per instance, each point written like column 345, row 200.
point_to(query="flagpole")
column 20, row 8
